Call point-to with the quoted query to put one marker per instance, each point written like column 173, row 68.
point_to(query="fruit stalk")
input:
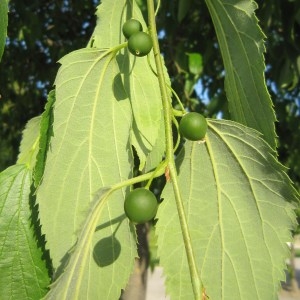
column 168, row 113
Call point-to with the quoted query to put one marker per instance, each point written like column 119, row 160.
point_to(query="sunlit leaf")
column 72, row 282
column 195, row 63
column 241, row 43
column 29, row 143
column 23, row 271
column 140, row 83
column 155, row 156
column 89, row 150
column 45, row 134
column 236, row 197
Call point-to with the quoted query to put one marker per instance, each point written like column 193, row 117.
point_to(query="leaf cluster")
column 111, row 123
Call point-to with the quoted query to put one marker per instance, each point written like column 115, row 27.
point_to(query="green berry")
column 140, row 205
column 140, row 44
column 193, row 126
column 131, row 27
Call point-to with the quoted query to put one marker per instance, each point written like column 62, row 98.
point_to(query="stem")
column 150, row 175
column 178, row 135
column 195, row 278
column 182, row 112
column 156, row 173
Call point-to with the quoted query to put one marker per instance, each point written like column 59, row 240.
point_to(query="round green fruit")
column 140, row 205
column 193, row 126
column 131, row 27
column 140, row 44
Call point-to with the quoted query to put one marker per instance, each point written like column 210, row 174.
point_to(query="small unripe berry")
column 131, row 27
column 193, row 126
column 140, row 44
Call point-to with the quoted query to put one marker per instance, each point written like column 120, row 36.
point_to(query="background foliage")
column 40, row 33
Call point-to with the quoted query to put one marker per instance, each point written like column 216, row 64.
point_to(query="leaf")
column 35, row 141
column 142, row 87
column 3, row 25
column 235, row 195
column 110, row 18
column 183, row 8
column 45, row 136
column 23, row 271
column 155, row 156
column 195, row 63
column 140, row 84
column 242, row 47
column 89, row 150
column 69, row 284
column 29, row 143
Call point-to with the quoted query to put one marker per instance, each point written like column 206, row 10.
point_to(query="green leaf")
column 29, row 143
column 71, row 284
column 23, row 271
column 140, row 84
column 143, row 90
column 242, row 47
column 35, row 141
column 113, row 16
column 3, row 25
column 235, row 196
column 89, row 150
column 195, row 63
column 155, row 156
column 183, row 8
column 45, row 135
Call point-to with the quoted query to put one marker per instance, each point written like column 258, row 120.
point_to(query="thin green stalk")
column 195, row 278
column 170, row 88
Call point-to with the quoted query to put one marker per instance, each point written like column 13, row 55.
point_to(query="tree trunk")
column 137, row 285
column 294, row 283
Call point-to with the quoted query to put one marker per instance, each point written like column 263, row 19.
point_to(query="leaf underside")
column 140, row 84
column 241, row 43
column 23, row 271
column 72, row 282
column 89, row 150
column 235, row 195
column 29, row 143
column 46, row 133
